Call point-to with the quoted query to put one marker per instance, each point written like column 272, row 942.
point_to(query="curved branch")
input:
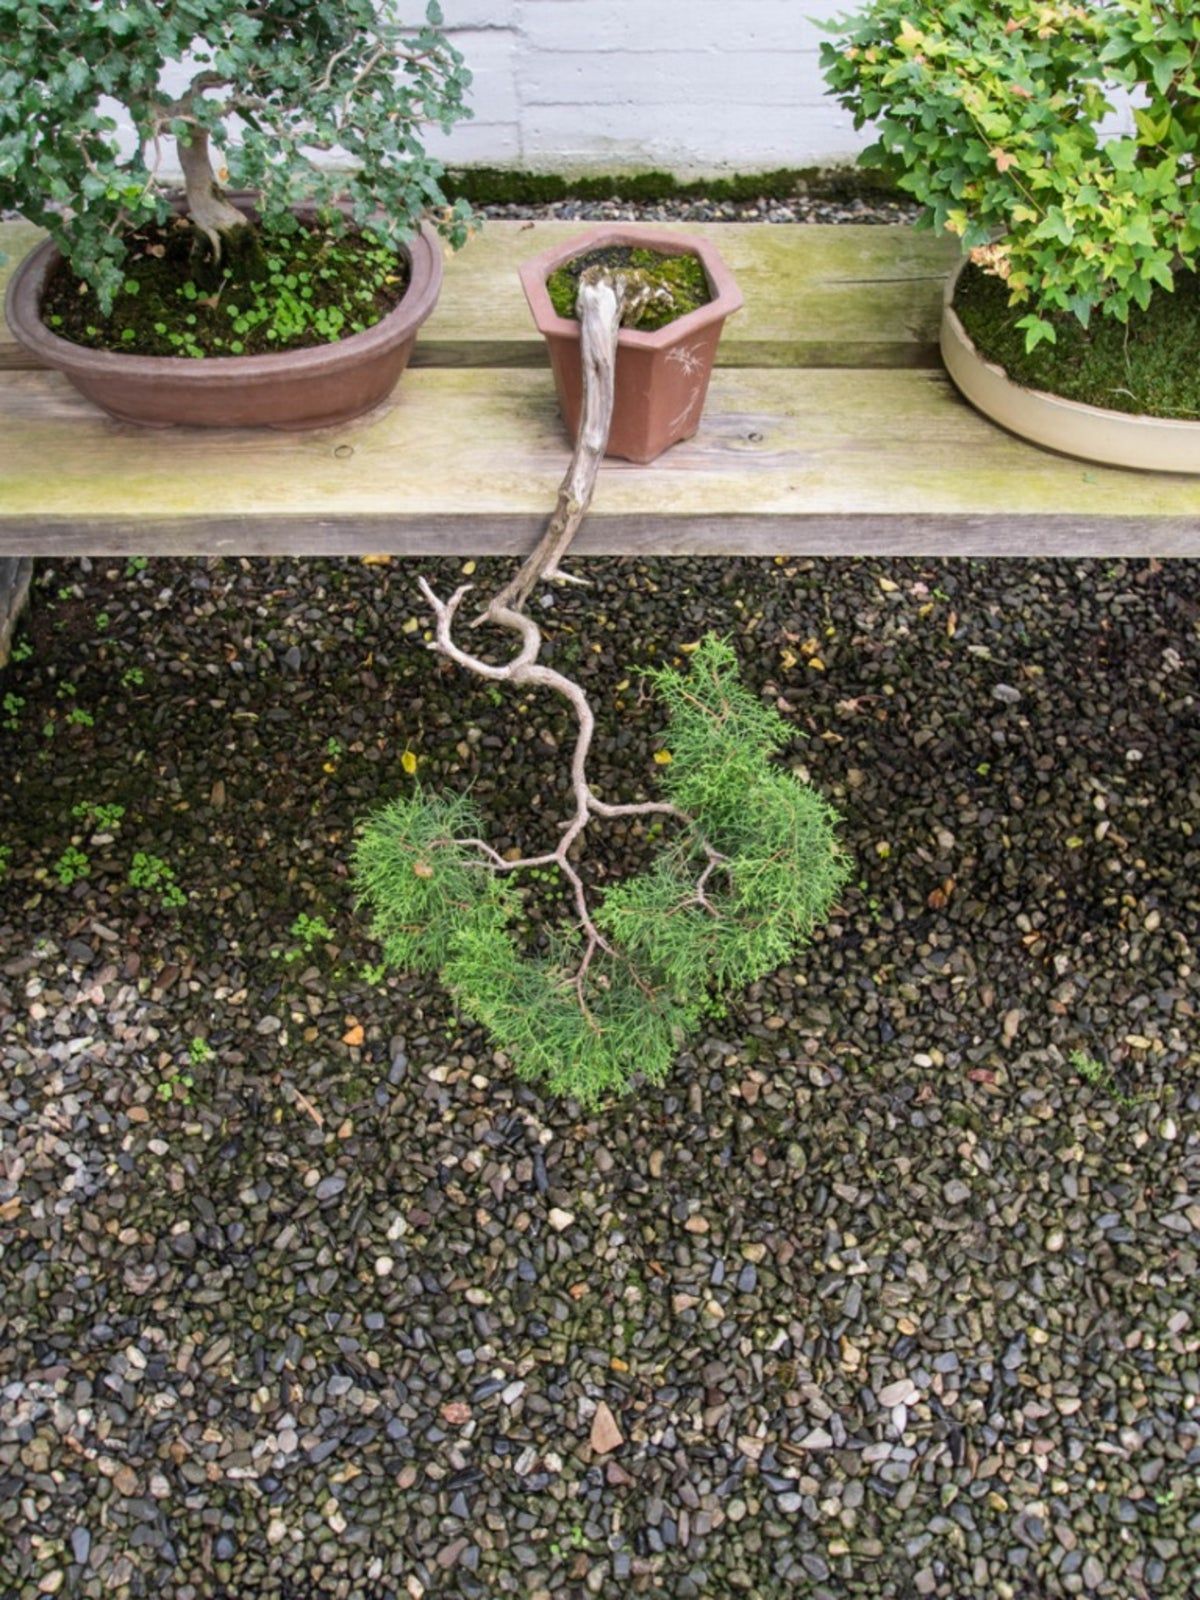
column 605, row 297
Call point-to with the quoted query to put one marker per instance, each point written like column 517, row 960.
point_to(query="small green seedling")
column 200, row 1052
column 12, row 706
column 1100, row 1076
column 156, row 877
column 99, row 816
column 71, row 866
column 310, row 931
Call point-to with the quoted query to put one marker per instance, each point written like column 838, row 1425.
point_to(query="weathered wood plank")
column 803, row 534
column 473, row 458
column 816, row 295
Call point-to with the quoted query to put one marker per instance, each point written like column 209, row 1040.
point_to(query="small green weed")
column 79, row 718
column 6, row 851
column 156, row 877
column 133, row 678
column 136, row 564
column 175, row 1085
column 310, row 931
column 103, row 622
column 1100, row 1075
column 71, row 866
column 22, row 650
column 12, row 706
column 200, row 1052
column 98, row 815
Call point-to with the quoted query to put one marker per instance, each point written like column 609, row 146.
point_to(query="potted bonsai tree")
column 668, row 341
column 1074, row 319
column 280, row 287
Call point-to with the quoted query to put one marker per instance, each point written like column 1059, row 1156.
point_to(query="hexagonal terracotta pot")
column 662, row 377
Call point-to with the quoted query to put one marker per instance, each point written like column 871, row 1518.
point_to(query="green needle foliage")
column 677, row 948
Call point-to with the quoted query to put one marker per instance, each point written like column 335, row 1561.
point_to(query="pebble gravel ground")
column 889, row 1291
column 874, row 208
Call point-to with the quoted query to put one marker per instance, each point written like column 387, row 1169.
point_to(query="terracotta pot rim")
column 1073, row 427
column 726, row 296
column 23, row 312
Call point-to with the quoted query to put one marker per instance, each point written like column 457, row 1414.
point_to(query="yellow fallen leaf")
column 354, row 1035
column 468, row 567
column 377, row 561
column 817, row 664
column 662, row 758
column 409, row 762
column 686, row 649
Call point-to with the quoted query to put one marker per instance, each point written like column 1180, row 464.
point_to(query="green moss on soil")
column 1149, row 367
column 682, row 275
column 500, row 186
column 305, row 288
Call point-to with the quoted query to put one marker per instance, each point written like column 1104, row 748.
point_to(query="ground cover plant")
column 885, row 1293
column 301, row 80
column 992, row 118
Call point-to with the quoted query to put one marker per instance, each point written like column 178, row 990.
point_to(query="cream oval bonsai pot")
column 662, row 376
column 1072, row 427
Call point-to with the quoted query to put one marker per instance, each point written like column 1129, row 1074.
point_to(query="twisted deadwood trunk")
column 606, row 299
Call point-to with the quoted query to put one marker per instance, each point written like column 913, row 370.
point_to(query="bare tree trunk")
column 605, row 299
column 208, row 208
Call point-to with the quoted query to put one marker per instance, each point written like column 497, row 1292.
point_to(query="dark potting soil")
column 683, row 276
column 306, row 288
column 1149, row 366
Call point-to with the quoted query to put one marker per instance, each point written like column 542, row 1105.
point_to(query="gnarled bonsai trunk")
column 232, row 237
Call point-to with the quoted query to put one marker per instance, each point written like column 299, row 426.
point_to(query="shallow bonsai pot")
column 1072, row 427
column 309, row 388
column 662, row 377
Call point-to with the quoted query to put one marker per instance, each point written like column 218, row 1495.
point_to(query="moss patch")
column 500, row 186
column 308, row 287
column 1150, row 367
column 683, row 276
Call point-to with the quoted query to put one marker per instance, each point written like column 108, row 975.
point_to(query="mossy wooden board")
column 816, row 295
column 469, row 460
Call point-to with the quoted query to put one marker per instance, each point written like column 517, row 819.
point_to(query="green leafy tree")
column 991, row 117
column 301, row 77
column 751, row 866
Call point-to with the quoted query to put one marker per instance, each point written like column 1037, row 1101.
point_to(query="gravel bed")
column 800, row 208
column 887, row 1292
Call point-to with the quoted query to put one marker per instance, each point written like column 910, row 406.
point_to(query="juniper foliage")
column 736, row 892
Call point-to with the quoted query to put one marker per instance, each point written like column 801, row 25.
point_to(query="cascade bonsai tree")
column 993, row 117
column 750, row 863
column 293, row 79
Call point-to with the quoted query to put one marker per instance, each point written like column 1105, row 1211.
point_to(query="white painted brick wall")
column 695, row 86
column 692, row 86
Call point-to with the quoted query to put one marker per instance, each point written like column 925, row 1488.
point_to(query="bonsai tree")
column 991, row 117
column 748, row 866
column 295, row 78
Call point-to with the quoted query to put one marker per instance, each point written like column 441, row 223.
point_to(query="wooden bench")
column 830, row 429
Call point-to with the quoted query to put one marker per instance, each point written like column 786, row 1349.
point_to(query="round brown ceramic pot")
column 661, row 378
column 1072, row 427
column 310, row 388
